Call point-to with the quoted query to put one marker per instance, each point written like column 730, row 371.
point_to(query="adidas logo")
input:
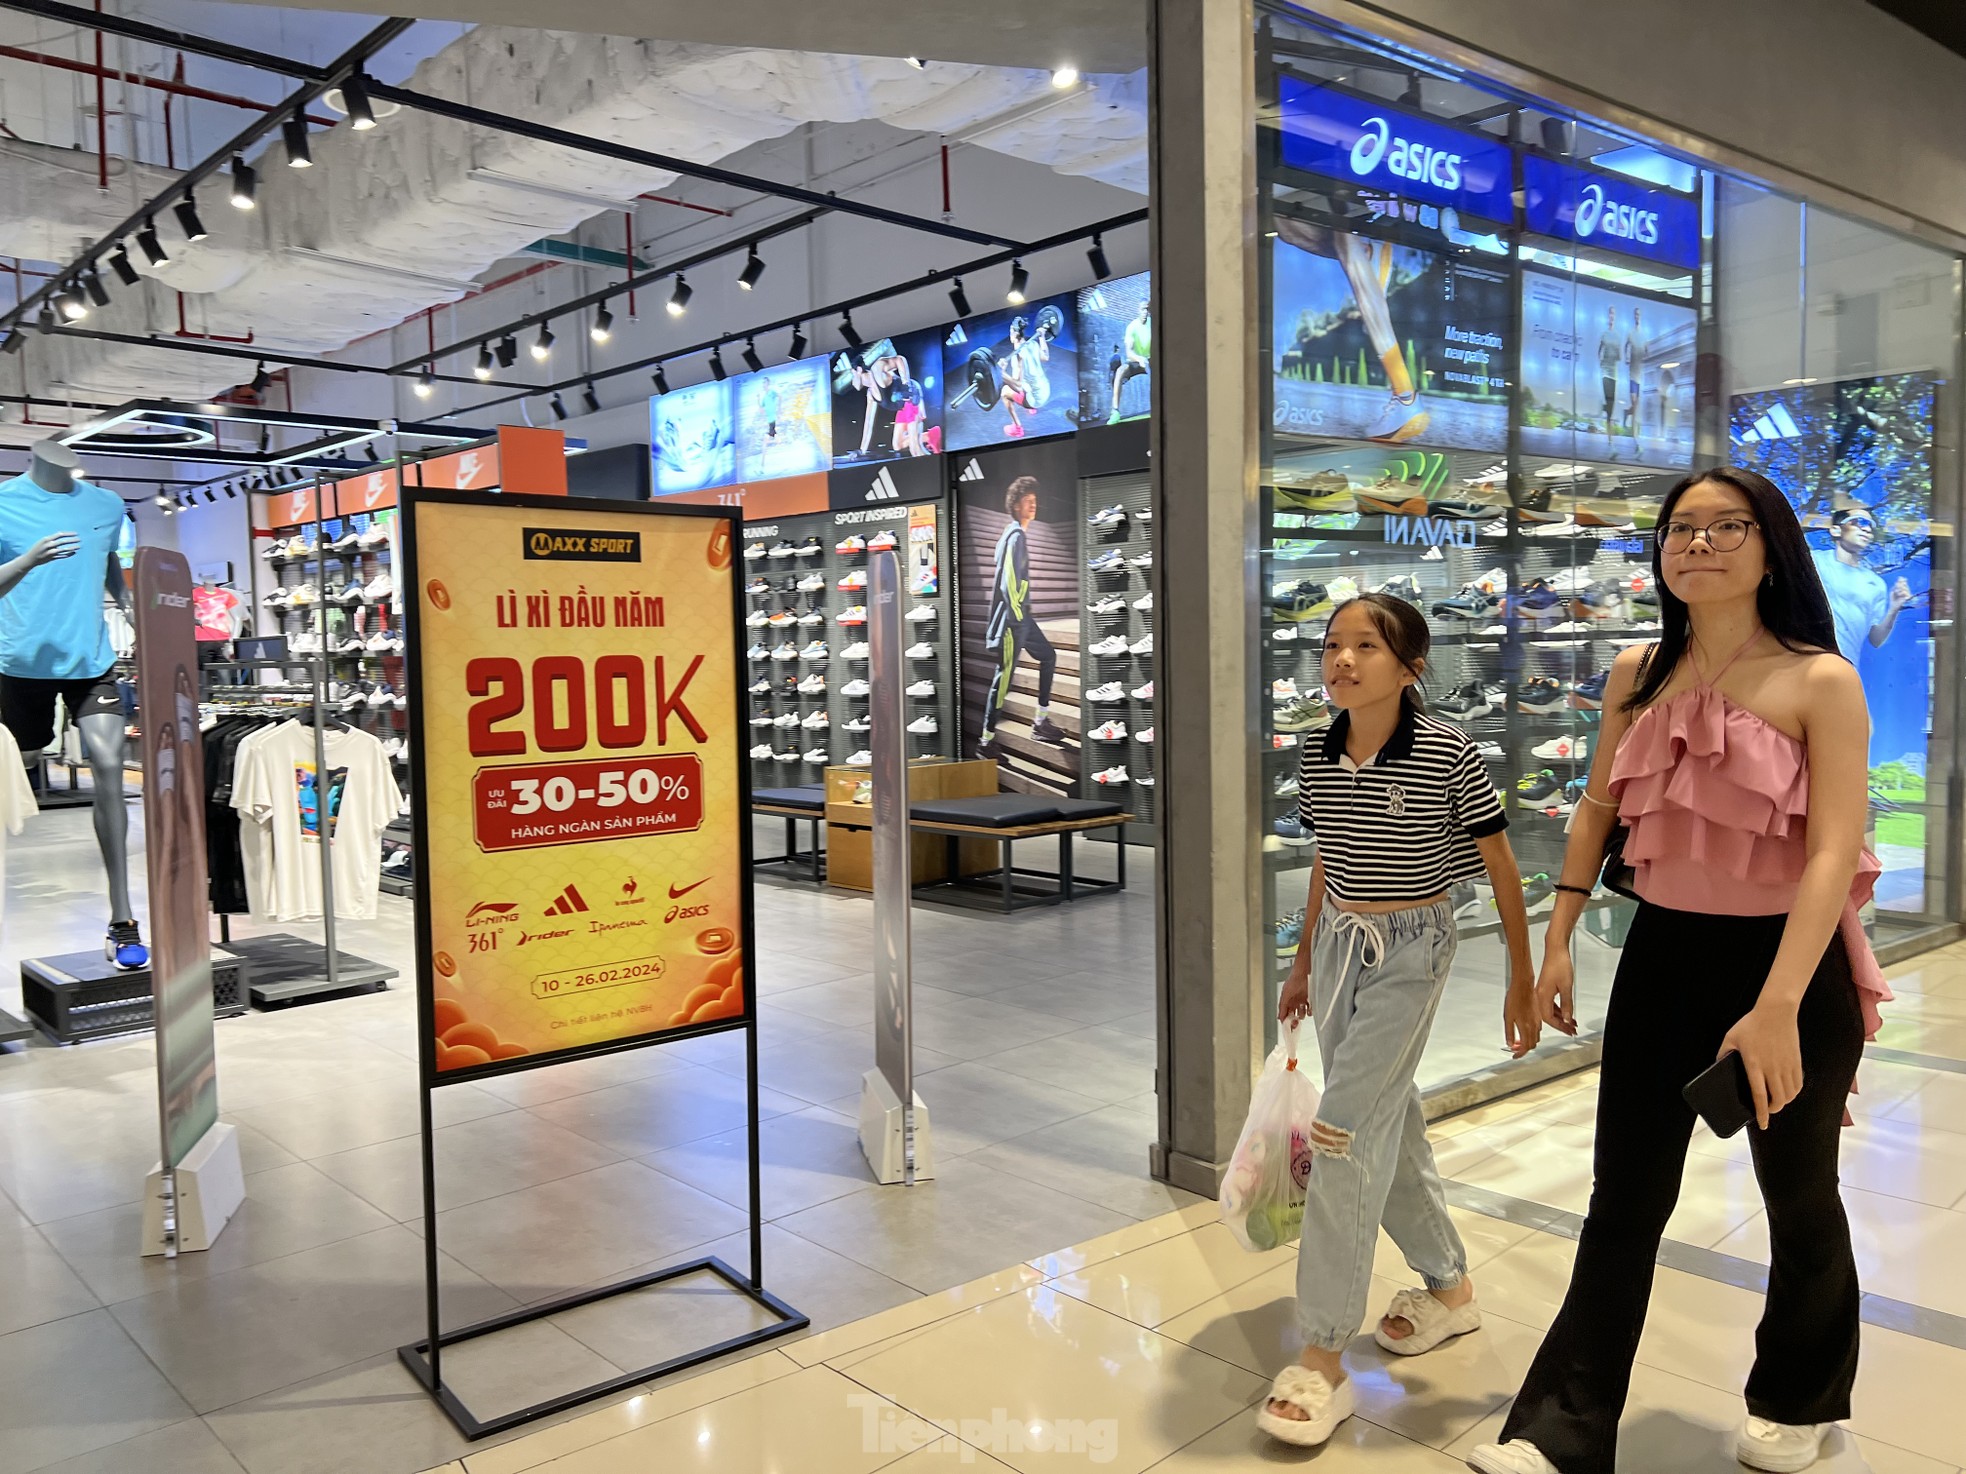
column 883, row 488
column 568, row 902
column 973, row 471
column 957, row 337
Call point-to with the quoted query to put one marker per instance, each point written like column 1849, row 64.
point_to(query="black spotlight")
column 230, row 493
column 265, row 438
column 797, row 350
column 542, row 347
column 119, row 262
column 603, row 327
column 368, row 449
column 426, row 382
column 45, row 319
column 245, row 184
column 69, row 303
column 661, row 380
column 592, row 400
column 483, row 368
column 717, row 369
column 92, row 284
column 508, row 351
column 559, row 408
column 848, row 332
column 1097, row 256
column 186, row 211
column 12, row 345
column 754, row 267
column 751, row 360
column 679, row 298
column 355, row 99
column 152, row 248
column 210, row 495
column 261, row 378
column 959, row 299
column 299, row 154
column 1019, row 279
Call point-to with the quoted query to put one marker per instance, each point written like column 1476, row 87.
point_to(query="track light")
column 355, row 100
column 119, row 262
column 161, row 499
column 69, row 303
column 559, row 408
column 589, row 398
column 603, row 327
column 508, row 351
column 245, row 183
column 265, row 438
column 45, row 319
column 959, row 299
column 12, row 345
column 231, row 493
column 751, row 360
column 1019, row 279
column 426, row 383
column 717, row 369
column 92, row 284
column 261, row 378
column 210, row 495
column 186, row 211
column 661, row 380
column 848, row 332
column 754, row 267
column 1065, row 76
column 1097, row 256
column 369, row 450
column 483, row 368
column 299, row 154
column 679, row 297
column 542, row 346
column 797, row 350
column 152, row 248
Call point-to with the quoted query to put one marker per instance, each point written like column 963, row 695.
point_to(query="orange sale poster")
column 578, row 783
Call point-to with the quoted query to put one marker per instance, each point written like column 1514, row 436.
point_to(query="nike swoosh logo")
column 677, row 895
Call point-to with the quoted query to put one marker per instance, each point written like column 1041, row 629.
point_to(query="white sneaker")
column 1282, row 690
column 818, row 755
column 861, row 759
column 1782, row 1448
column 1143, row 646
column 1517, row 1456
column 1563, row 747
column 855, row 688
column 921, row 650
column 856, row 651
column 1111, row 645
column 762, row 752
column 1143, row 693
column 812, row 686
column 1146, row 735
column 1144, row 605
column 1111, row 605
column 818, row 721
column 857, row 724
column 1112, row 777
column 789, row 719
column 920, row 613
column 1110, row 732
column 924, row 725
column 812, row 583
column 1111, row 691
column 922, row 688
column 1326, row 1405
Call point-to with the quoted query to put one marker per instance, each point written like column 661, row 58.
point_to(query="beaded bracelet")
column 1575, row 890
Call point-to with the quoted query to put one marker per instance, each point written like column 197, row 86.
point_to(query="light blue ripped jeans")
column 1375, row 983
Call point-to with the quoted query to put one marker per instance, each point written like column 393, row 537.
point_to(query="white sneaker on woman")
column 1781, row 1448
column 1517, row 1456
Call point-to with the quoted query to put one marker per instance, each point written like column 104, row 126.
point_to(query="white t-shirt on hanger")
column 274, row 784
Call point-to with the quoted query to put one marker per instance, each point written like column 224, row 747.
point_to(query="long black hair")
column 1792, row 604
column 1404, row 629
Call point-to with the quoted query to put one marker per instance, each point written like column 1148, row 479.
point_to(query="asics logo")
column 1627, row 222
column 1404, row 159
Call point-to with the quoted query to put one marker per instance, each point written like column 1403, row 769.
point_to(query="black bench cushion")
column 1086, row 808
column 813, row 797
column 997, row 811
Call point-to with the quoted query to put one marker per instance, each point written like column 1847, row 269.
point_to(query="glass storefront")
column 1493, row 337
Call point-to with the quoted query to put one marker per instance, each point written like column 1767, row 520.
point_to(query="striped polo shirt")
column 1403, row 827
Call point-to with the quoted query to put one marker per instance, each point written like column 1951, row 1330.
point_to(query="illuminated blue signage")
column 1613, row 213
column 1370, row 144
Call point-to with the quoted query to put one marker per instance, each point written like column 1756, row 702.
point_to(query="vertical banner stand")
column 454, row 554
column 894, row 1127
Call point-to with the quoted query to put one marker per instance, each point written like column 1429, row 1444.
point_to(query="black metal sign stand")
column 424, row 1358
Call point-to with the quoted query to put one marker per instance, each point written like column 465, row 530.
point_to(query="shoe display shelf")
column 818, row 549
column 1116, row 660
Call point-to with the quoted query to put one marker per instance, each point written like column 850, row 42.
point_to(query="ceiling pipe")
column 155, row 84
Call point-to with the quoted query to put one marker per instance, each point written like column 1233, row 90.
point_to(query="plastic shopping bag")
column 1263, row 1192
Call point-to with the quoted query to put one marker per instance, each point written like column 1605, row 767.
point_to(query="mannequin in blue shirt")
column 54, row 643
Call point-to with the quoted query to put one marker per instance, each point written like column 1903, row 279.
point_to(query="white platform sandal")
column 1324, row 1407
column 1432, row 1322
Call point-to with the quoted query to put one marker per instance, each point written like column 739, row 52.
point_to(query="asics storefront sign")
column 1366, row 142
column 1580, row 205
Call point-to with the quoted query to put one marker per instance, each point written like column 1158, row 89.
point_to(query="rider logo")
column 1404, row 159
column 1596, row 215
column 972, row 472
column 883, row 488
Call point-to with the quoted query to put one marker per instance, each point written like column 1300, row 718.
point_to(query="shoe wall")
column 1116, row 635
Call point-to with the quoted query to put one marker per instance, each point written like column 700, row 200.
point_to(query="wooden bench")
column 794, row 806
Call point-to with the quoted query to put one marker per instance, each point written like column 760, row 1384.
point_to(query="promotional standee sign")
column 887, row 399
column 174, row 845
column 784, row 421
column 1116, row 350
column 693, row 437
column 580, row 792
column 1011, row 374
column 1606, row 375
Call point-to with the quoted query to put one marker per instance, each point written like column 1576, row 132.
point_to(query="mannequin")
column 58, row 537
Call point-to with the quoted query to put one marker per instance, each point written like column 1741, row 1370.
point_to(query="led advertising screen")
column 784, row 421
column 693, row 438
column 1116, row 351
column 1011, row 374
column 887, row 399
column 1855, row 459
column 1606, row 375
column 1376, row 341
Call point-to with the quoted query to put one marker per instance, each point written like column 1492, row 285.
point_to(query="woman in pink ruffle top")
column 1735, row 752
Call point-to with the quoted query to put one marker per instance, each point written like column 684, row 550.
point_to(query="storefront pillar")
column 1205, row 446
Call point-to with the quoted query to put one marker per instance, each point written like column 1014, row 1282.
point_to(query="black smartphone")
column 1720, row 1096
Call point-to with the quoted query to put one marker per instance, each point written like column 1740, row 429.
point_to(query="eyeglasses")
column 1723, row 535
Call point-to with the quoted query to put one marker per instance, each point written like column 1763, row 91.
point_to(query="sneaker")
column 1588, row 694
column 1143, row 693
column 1111, row 645
column 1568, row 627
column 818, row 756
column 1146, row 735
column 882, row 542
column 1145, row 560
column 1489, row 752
column 817, row 650
column 1105, row 562
column 856, row 651
column 761, row 753
column 786, row 757
column 817, row 722
column 787, row 651
column 123, row 945
column 1301, row 715
column 1533, row 788
column 278, row 599
column 1112, row 777
column 855, row 688
column 812, row 617
column 1290, row 829
column 380, row 643
column 381, row 587
column 1539, row 695
column 1145, row 603
column 1112, row 604
column 921, row 613
column 847, row 547
column 1145, row 780
column 1470, row 603
column 1783, row 1448
column 810, row 548
column 1109, row 732
column 812, row 583
column 1563, row 749
column 922, row 689
column 1535, row 598
column 1110, row 692
column 757, row 652
column 1286, row 786
column 782, row 549
column 921, row 650
column 1112, row 516
column 1464, row 899
column 812, row 685
column 1142, row 646
column 853, row 583
column 924, row 726
column 1464, row 703
column 1517, row 1456
column 307, row 593
column 753, row 552
column 764, row 719
column 1406, row 587
column 1044, row 729
column 757, row 619
column 861, row 723
column 1290, row 931
column 849, row 617
column 861, row 759
column 1284, row 634
column 1282, row 690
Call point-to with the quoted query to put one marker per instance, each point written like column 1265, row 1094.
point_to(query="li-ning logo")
column 1627, row 222
column 1404, row 158
column 972, row 472
column 883, row 488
